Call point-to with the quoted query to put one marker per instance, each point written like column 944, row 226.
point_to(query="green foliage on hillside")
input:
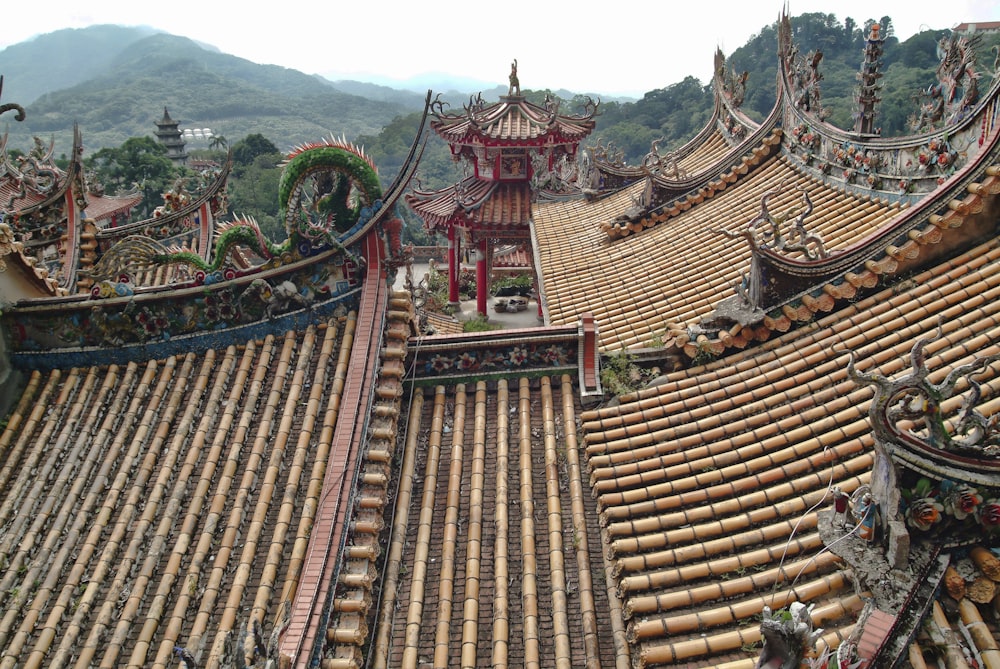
column 201, row 88
column 673, row 115
column 253, row 184
column 62, row 59
column 908, row 67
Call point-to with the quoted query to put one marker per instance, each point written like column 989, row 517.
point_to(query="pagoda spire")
column 869, row 84
column 168, row 134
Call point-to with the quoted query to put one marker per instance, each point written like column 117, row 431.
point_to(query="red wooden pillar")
column 536, row 286
column 454, row 264
column 538, row 300
column 482, row 276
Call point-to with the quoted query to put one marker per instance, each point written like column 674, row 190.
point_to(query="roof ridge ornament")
column 869, row 86
column 802, row 73
column 769, row 232
column 609, row 155
column 438, row 106
column 937, row 458
column 11, row 106
column 733, row 85
column 476, row 104
column 552, row 107
column 910, row 408
column 771, row 236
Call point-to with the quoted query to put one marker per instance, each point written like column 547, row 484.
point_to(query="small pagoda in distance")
column 513, row 149
column 169, row 135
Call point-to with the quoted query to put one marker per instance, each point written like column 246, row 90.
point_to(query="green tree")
column 253, row 184
column 672, row 115
column 252, row 146
column 141, row 163
column 218, row 143
column 253, row 191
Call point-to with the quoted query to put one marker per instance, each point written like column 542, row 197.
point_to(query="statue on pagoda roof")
column 515, row 84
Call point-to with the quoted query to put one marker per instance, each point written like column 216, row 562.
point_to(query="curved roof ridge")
column 666, row 196
column 729, row 88
column 697, row 509
column 12, row 251
column 890, row 251
column 511, row 118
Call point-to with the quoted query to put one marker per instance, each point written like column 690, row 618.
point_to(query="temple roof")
column 102, row 207
column 166, row 120
column 512, row 257
column 709, row 482
column 476, row 203
column 343, row 493
column 180, row 489
column 35, row 178
column 696, row 266
column 29, row 180
column 513, row 120
column 20, row 273
column 514, row 549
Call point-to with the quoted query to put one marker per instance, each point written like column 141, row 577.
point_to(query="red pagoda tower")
column 513, row 147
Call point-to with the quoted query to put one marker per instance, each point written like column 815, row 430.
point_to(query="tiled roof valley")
column 160, row 522
column 516, row 477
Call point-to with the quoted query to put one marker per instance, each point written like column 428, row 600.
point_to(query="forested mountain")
column 130, row 85
column 62, row 59
column 115, row 82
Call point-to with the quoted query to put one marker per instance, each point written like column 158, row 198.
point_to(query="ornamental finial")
column 515, row 84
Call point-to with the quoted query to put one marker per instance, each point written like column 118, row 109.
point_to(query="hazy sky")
column 620, row 47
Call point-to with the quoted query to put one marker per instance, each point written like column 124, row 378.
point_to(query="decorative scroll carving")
column 769, row 232
column 475, row 105
column 37, row 169
column 438, row 105
column 590, row 107
column 734, row 86
column 807, row 78
column 608, row 155
column 803, row 72
column 937, row 469
column 11, row 106
column 766, row 230
column 909, row 409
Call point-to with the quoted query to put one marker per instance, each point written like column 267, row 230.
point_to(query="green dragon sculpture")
column 327, row 189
